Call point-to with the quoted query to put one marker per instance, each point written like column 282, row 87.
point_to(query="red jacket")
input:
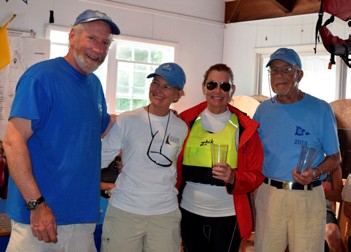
column 248, row 175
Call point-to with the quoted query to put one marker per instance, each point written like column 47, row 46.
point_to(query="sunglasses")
column 225, row 86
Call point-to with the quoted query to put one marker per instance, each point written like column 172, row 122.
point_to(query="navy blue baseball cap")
column 94, row 15
column 172, row 73
column 287, row 55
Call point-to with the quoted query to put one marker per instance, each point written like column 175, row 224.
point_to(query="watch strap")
column 40, row 200
column 33, row 204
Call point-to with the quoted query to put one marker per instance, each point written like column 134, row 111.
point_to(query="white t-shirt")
column 146, row 184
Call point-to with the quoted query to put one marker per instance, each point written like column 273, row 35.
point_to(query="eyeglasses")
column 284, row 70
column 225, row 86
column 157, row 156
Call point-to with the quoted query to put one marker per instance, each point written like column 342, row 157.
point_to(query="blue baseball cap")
column 94, row 15
column 172, row 73
column 287, row 55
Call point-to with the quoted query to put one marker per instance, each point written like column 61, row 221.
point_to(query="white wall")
column 198, row 32
column 241, row 40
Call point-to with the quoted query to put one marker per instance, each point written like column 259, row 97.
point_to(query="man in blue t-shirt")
column 53, row 144
column 290, row 204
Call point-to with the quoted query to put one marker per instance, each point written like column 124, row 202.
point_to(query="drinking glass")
column 307, row 156
column 219, row 153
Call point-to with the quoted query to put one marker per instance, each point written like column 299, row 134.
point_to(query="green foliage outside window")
column 141, row 55
column 124, row 53
column 135, row 62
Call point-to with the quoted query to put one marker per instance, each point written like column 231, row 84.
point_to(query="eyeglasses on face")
column 225, row 86
column 284, row 70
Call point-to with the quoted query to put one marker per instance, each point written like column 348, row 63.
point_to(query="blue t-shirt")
column 68, row 113
column 285, row 127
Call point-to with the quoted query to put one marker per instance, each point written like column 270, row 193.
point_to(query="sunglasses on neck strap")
column 225, row 86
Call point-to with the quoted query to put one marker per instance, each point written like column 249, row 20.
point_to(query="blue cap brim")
column 172, row 73
column 168, row 79
column 91, row 15
column 114, row 28
column 287, row 55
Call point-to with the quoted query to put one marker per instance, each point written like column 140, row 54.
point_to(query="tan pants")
column 125, row 232
column 294, row 217
column 77, row 238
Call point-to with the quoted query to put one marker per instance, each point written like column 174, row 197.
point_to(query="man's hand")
column 304, row 178
column 43, row 224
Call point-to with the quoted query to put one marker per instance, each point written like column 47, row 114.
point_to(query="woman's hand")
column 223, row 172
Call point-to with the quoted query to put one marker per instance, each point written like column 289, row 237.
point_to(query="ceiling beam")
column 286, row 6
column 246, row 10
column 231, row 11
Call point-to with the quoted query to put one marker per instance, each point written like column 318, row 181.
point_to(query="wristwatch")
column 320, row 173
column 33, row 204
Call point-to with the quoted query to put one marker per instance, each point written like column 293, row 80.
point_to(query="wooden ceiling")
column 245, row 10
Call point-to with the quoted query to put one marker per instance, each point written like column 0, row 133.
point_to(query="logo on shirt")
column 204, row 143
column 301, row 132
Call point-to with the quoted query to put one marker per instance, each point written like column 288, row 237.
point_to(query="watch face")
column 31, row 205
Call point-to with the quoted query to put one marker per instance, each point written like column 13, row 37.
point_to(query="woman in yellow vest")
column 215, row 205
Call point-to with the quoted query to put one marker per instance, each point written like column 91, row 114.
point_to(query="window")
column 124, row 71
column 318, row 80
column 58, row 42
column 134, row 62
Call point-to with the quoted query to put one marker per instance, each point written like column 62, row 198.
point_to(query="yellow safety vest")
column 197, row 151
